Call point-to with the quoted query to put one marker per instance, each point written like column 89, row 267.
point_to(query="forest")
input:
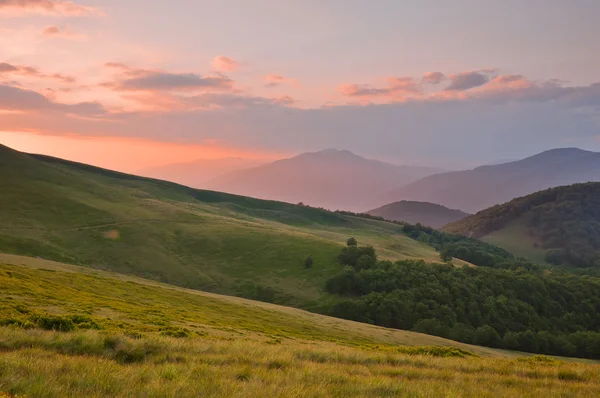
column 514, row 306
column 565, row 221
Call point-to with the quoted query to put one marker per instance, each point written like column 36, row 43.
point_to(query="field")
column 204, row 240
column 75, row 331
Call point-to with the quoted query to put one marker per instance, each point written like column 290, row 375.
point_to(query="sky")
column 132, row 84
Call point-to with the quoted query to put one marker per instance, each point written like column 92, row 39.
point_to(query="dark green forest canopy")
column 520, row 308
column 565, row 221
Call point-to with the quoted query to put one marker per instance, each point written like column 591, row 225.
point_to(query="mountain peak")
column 571, row 151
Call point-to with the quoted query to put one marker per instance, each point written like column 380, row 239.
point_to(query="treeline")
column 456, row 246
column 519, row 308
column 564, row 220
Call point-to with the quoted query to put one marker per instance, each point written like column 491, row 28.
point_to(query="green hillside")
column 560, row 226
column 69, row 331
column 79, row 214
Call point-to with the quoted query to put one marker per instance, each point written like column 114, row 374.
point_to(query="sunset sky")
column 130, row 84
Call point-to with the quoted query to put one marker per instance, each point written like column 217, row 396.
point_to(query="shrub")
column 308, row 262
column 54, row 322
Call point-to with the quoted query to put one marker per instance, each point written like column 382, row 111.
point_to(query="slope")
column 482, row 187
column 205, row 240
column 334, row 179
column 425, row 213
column 73, row 331
column 561, row 225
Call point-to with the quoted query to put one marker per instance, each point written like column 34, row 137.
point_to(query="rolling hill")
column 560, row 225
column 70, row 212
column 333, row 179
column 75, row 331
column 425, row 213
column 474, row 190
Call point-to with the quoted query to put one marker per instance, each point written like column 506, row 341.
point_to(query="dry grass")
column 231, row 347
column 93, row 364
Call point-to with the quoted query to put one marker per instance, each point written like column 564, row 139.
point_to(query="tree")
column 352, row 242
column 446, row 255
column 308, row 262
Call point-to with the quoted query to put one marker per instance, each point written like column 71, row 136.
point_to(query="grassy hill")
column 65, row 211
column 425, row 213
column 76, row 331
column 559, row 225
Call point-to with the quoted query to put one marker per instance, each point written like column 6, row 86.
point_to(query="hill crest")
column 413, row 212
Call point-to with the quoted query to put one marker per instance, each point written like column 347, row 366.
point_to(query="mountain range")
column 485, row 186
column 333, row 179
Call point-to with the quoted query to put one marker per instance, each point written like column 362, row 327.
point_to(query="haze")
column 426, row 83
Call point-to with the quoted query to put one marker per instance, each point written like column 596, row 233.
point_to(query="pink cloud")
column 50, row 7
column 397, row 88
column 273, row 80
column 62, row 33
column 468, row 80
column 223, row 63
column 29, row 71
column 23, row 100
column 433, row 77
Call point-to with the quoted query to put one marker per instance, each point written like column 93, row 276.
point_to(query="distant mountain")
column 485, row 186
column 334, row 179
column 197, row 173
column 426, row 213
column 559, row 225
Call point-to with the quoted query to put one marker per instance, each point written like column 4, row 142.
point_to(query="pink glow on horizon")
column 126, row 154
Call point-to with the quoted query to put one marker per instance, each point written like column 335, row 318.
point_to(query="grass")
column 205, row 240
column 132, row 337
column 131, row 305
column 515, row 238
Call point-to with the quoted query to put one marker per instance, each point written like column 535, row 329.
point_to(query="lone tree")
column 308, row 262
column 446, row 255
column 352, row 242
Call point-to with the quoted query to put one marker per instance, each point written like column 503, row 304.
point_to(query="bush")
column 57, row 323
column 308, row 262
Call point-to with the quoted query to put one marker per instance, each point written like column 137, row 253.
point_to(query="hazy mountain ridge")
column 425, row 213
column 334, row 179
column 195, row 174
column 485, row 186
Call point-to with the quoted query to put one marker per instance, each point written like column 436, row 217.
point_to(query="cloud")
column 64, row 33
column 49, row 7
column 433, row 78
column 509, row 115
column 397, row 87
column 29, row 71
column 225, row 64
column 22, row 100
column 133, row 79
column 273, row 80
column 231, row 101
column 468, row 80
column 6, row 67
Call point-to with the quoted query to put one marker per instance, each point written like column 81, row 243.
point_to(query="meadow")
column 158, row 230
column 75, row 331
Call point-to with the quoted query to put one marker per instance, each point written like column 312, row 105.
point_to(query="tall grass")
column 95, row 364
